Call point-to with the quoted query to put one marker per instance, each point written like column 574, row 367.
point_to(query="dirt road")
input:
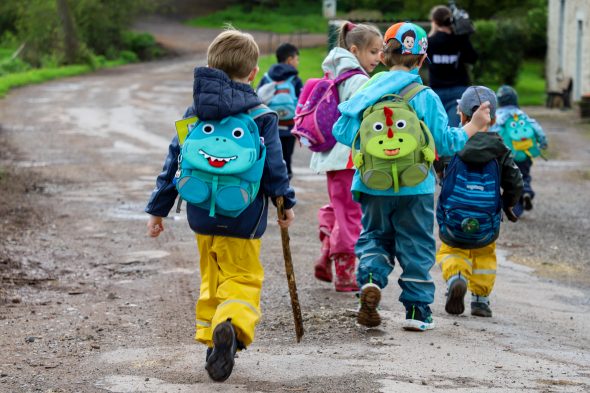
column 89, row 304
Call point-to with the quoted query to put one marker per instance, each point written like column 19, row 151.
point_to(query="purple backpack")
column 317, row 111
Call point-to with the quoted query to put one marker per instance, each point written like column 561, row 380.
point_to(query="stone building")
column 568, row 51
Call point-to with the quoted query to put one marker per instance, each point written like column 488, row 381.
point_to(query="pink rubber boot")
column 345, row 265
column 323, row 265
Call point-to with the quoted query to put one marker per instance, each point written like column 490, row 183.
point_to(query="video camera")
column 461, row 24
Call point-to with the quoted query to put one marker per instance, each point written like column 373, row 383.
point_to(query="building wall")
column 568, row 52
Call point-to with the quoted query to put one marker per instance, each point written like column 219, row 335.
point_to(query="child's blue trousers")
column 398, row 227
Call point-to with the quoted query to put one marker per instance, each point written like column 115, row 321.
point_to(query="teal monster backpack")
column 519, row 135
column 221, row 162
column 395, row 148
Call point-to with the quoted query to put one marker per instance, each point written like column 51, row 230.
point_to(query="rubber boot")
column 323, row 265
column 345, row 265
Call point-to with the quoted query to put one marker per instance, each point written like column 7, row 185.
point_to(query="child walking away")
column 470, row 207
column 357, row 55
column 279, row 88
column 524, row 136
column 394, row 125
column 226, row 174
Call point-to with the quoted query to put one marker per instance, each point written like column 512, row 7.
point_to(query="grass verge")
column 282, row 20
column 40, row 75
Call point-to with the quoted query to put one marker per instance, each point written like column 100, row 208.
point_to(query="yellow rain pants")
column 231, row 283
column 477, row 265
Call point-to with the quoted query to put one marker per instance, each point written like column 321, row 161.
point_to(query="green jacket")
column 486, row 146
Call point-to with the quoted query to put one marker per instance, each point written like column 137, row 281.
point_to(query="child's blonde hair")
column 234, row 53
column 392, row 56
column 360, row 35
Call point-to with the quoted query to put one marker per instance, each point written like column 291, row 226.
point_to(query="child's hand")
column 481, row 118
column 510, row 214
column 289, row 217
column 155, row 226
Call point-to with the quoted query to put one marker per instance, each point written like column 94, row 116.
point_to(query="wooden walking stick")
column 290, row 273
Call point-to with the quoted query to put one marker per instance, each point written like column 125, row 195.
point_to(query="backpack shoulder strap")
column 345, row 75
column 410, row 91
column 259, row 110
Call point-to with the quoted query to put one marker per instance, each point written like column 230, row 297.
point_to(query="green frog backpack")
column 393, row 147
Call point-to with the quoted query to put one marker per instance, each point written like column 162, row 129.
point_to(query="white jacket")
column 338, row 61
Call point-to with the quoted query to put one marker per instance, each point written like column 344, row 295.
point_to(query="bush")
column 128, row 56
column 11, row 66
column 500, row 45
column 143, row 44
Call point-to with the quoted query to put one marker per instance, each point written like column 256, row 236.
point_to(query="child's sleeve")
column 511, row 181
column 298, row 86
column 275, row 181
column 429, row 108
column 163, row 196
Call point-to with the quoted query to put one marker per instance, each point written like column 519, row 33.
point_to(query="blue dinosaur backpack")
column 519, row 135
column 469, row 209
column 221, row 162
column 280, row 97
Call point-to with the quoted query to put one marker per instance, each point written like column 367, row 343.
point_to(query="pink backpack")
column 317, row 111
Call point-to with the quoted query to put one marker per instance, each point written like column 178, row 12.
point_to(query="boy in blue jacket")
column 228, row 307
column 285, row 70
column 400, row 224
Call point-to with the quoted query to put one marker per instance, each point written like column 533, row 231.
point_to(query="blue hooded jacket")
column 429, row 109
column 216, row 96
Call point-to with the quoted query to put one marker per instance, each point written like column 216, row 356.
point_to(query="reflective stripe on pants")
column 477, row 265
column 231, row 283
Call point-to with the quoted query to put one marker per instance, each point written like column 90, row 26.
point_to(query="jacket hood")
column 280, row 71
column 216, row 96
column 483, row 147
column 340, row 60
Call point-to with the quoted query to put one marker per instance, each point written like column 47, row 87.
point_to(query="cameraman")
column 448, row 53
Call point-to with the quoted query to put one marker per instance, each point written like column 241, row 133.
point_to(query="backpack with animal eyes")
column 279, row 96
column 519, row 135
column 221, row 162
column 393, row 148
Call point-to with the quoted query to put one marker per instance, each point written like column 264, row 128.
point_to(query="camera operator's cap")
column 412, row 38
column 474, row 96
column 507, row 96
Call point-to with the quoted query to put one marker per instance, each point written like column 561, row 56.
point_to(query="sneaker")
column 370, row 297
column 209, row 350
column 220, row 362
column 527, row 201
column 481, row 309
column 416, row 321
column 455, row 294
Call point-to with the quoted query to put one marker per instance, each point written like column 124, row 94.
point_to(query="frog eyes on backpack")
column 513, row 124
column 400, row 124
column 208, row 129
column 378, row 126
column 521, row 123
column 237, row 133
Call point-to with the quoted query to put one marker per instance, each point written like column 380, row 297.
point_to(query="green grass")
column 18, row 79
column 282, row 20
column 530, row 86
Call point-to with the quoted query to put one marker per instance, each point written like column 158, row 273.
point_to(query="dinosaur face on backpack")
column 519, row 129
column 390, row 133
column 222, row 146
